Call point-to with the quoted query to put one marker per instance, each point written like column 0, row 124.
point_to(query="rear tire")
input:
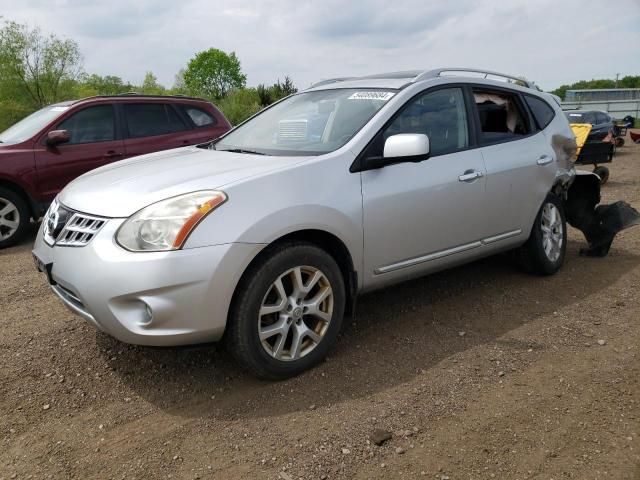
column 619, row 142
column 14, row 218
column 544, row 252
column 603, row 173
column 287, row 311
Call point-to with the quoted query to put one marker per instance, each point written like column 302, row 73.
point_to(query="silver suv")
column 264, row 237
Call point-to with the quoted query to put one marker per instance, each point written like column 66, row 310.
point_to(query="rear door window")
column 198, row 116
column 602, row 118
column 501, row 116
column 542, row 112
column 149, row 119
column 90, row 125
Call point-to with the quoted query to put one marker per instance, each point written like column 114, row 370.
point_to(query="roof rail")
column 417, row 75
column 330, row 80
column 510, row 78
column 141, row 95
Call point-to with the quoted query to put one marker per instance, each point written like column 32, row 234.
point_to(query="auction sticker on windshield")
column 384, row 96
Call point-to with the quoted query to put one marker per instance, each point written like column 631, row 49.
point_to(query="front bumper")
column 147, row 298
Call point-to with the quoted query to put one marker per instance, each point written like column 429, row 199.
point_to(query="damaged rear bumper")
column 599, row 223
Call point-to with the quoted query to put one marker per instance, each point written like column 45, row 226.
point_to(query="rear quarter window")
column 198, row 116
column 542, row 112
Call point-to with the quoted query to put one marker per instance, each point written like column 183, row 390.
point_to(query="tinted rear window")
column 582, row 117
column 147, row 119
column 542, row 112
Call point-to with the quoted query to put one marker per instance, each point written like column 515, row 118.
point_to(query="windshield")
column 29, row 126
column 310, row 123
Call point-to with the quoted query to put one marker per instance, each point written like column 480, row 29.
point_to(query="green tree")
column 43, row 67
column 630, row 81
column 213, row 74
column 150, row 85
column 96, row 85
column 240, row 104
column 275, row 92
column 179, row 86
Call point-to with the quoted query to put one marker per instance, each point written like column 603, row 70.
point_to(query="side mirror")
column 57, row 137
column 409, row 147
column 401, row 148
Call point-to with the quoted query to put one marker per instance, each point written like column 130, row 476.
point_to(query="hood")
column 122, row 188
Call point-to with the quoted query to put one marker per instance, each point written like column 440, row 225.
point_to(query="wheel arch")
column 323, row 239
column 559, row 188
column 22, row 192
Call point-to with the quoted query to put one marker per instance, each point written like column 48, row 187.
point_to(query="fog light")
column 147, row 316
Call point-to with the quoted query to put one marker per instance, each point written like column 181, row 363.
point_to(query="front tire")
column 14, row 218
column 287, row 311
column 544, row 252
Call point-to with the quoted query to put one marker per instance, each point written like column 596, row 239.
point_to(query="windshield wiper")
column 242, row 150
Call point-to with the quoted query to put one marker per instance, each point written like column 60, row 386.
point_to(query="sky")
column 551, row 42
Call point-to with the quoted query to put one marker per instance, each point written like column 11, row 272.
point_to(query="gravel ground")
column 478, row 372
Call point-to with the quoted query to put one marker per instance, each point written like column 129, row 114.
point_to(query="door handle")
column 113, row 154
column 544, row 160
column 470, row 176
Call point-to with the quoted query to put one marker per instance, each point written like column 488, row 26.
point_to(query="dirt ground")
column 479, row 372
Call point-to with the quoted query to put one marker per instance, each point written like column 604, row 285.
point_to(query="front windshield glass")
column 29, row 126
column 310, row 123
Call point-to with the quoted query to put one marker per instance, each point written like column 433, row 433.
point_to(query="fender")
column 25, row 190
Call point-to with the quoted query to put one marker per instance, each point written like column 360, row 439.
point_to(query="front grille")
column 80, row 230
column 292, row 130
column 64, row 227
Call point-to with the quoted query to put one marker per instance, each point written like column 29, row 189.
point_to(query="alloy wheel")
column 295, row 313
column 9, row 219
column 552, row 231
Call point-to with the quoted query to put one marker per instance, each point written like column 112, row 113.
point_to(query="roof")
column 398, row 80
column 66, row 103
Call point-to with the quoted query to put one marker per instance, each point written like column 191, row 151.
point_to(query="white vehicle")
column 265, row 237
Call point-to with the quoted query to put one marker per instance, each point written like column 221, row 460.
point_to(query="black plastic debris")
column 599, row 223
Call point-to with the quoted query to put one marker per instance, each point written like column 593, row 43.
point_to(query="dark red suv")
column 42, row 153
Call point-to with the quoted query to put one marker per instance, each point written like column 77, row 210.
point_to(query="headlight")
column 166, row 225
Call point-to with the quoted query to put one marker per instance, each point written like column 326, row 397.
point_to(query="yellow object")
column 581, row 131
